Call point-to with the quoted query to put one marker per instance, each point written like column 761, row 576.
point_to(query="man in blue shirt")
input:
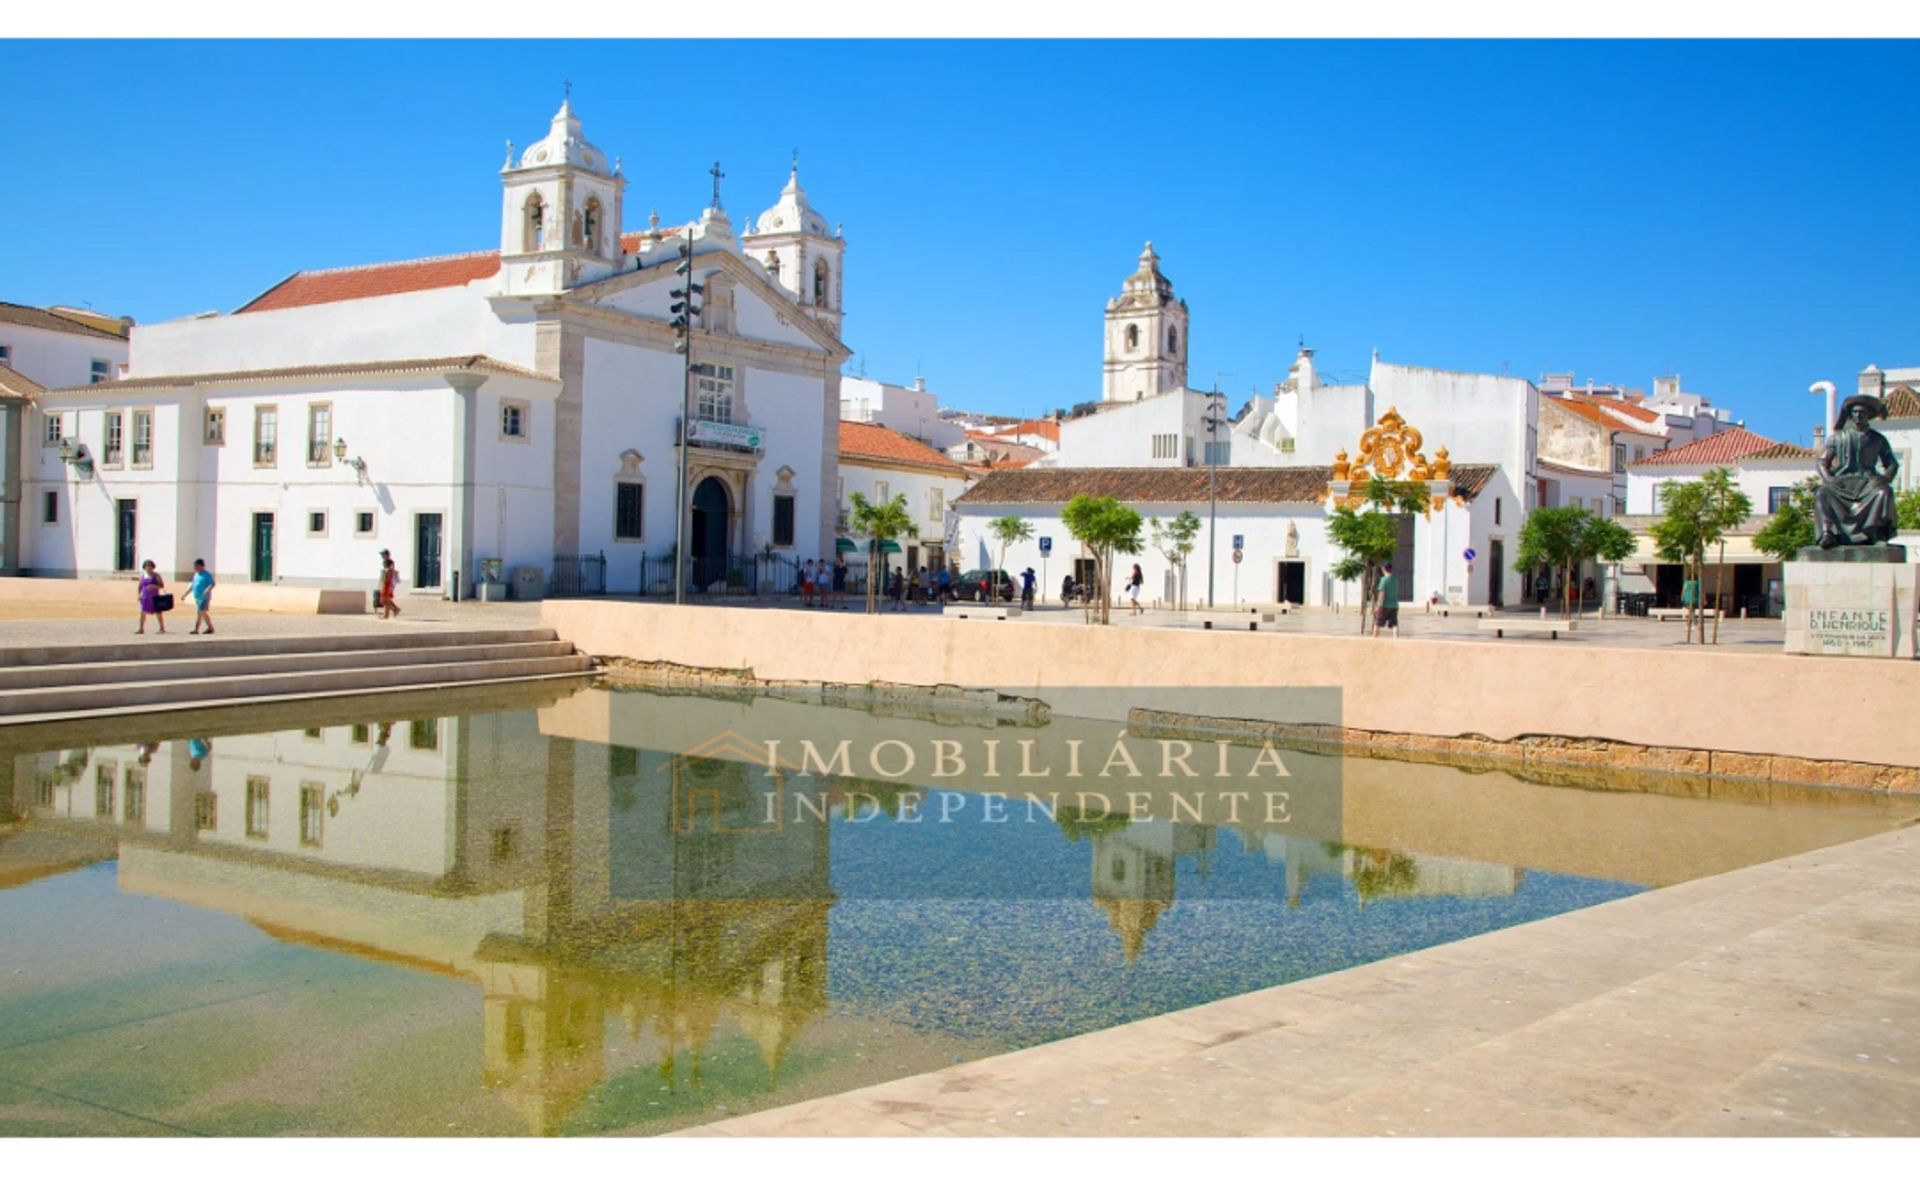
column 201, row 590
column 1026, row 589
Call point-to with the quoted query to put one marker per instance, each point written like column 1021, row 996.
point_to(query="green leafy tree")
column 1695, row 518
column 1792, row 528
column 1006, row 531
column 1906, row 508
column 1568, row 538
column 1105, row 527
column 882, row 522
column 1727, row 506
column 1368, row 537
column 1175, row 541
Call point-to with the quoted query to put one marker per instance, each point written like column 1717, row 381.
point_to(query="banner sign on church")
column 727, row 434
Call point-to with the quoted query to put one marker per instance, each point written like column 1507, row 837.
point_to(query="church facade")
column 516, row 403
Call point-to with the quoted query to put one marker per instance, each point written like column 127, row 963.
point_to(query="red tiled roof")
column 31, row 317
column 884, row 445
column 14, row 384
column 1722, row 448
column 305, row 288
column 1163, row 486
column 1620, row 407
column 1903, row 403
column 1782, row 451
column 1045, row 428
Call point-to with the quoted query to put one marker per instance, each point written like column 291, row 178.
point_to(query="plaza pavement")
column 1778, row 1000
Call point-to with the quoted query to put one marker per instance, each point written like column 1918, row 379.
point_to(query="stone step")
column 41, row 702
column 190, row 665
column 198, row 647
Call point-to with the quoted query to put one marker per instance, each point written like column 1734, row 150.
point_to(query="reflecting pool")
column 552, row 911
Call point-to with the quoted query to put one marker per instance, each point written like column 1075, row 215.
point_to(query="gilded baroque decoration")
column 1390, row 449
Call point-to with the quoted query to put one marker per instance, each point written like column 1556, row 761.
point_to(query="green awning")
column 889, row 547
column 845, row 546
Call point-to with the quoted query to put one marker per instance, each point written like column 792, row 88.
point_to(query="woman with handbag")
column 152, row 601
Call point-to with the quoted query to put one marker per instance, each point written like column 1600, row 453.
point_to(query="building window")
column 363, row 523
column 1217, row 452
column 1133, row 337
column 1496, row 510
column 629, row 501
column 143, row 439
column 115, row 440
column 313, row 800
column 1286, row 446
column 53, row 430
column 821, row 283
column 103, row 778
column 1778, row 499
column 513, row 421
column 206, row 811
column 99, row 371
column 216, row 427
column 319, row 434
column 1639, row 453
column 592, row 227
column 133, row 803
column 783, row 521
column 257, row 793
column 714, row 397
column 423, row 734
column 266, row 436
column 936, row 505
column 1173, row 342
column 317, row 523
column 50, row 508
column 534, row 236
column 1619, row 457
column 1166, row 447
column 880, row 490
column 6, row 356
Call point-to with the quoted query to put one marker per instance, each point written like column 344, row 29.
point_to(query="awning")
column 845, row 546
column 889, row 547
column 1633, row 582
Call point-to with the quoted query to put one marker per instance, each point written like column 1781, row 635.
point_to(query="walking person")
column 840, row 581
column 202, row 591
column 151, row 586
column 1386, row 614
column 1026, row 589
column 943, row 583
column 389, row 583
column 897, row 589
column 1134, row 582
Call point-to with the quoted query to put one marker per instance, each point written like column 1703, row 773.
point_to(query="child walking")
column 202, row 591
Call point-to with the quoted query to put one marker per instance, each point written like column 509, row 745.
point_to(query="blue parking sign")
column 1239, row 541
column 1046, row 545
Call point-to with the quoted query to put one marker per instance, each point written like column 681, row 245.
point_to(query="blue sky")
column 1737, row 212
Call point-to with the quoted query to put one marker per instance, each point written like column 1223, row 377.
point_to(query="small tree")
column 1792, row 528
column 1006, row 530
column 879, row 523
column 1175, row 541
column 1568, row 538
column 1695, row 517
column 1369, row 537
column 1106, row 527
column 1727, row 506
column 1906, row 508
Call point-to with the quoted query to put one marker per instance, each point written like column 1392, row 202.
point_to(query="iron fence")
column 577, row 575
column 739, row 576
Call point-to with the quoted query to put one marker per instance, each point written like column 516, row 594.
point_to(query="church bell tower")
column 1146, row 336
column 560, row 214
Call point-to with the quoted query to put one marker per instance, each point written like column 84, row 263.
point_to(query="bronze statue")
column 1854, row 505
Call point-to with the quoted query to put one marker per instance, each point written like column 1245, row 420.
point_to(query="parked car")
column 975, row 584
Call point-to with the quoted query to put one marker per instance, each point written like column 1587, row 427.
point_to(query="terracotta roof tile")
column 870, row 441
column 14, row 384
column 306, row 288
column 1782, row 451
column 1620, row 407
column 31, row 317
column 1903, row 403
column 1163, row 486
column 479, row 363
column 1721, row 448
column 1578, row 409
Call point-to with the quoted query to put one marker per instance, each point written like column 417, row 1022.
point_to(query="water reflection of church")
column 585, row 887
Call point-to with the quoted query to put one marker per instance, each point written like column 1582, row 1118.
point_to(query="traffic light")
column 685, row 304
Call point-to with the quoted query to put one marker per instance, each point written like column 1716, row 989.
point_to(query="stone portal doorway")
column 707, row 539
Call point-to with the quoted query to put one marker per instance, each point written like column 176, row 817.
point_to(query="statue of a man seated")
column 1854, row 505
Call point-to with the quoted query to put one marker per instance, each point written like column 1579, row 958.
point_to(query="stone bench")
column 980, row 611
column 1461, row 609
column 1664, row 614
column 1249, row 620
column 1552, row 628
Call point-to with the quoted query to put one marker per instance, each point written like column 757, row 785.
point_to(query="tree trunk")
column 1719, row 583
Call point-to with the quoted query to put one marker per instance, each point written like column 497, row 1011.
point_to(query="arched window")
column 820, row 283
column 773, row 266
column 535, row 235
column 593, row 224
column 1133, row 336
column 1173, row 341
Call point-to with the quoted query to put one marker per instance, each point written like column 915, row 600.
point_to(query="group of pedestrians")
column 823, row 586
column 155, row 600
column 931, row 587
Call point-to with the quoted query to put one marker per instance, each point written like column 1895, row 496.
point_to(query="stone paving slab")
column 1778, row 1000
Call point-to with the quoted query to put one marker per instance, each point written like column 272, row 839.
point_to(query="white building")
column 880, row 463
column 516, row 403
column 911, row 410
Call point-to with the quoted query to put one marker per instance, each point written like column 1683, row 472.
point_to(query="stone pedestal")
column 1851, row 606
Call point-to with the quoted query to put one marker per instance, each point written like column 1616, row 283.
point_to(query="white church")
column 514, row 404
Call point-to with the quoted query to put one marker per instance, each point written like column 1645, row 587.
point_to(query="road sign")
column 1239, row 542
column 1046, row 546
column 1470, row 554
column 1237, row 555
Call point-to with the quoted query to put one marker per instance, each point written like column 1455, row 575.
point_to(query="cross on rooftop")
column 716, row 174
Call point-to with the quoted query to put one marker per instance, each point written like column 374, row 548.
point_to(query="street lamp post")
column 684, row 309
column 1214, row 419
